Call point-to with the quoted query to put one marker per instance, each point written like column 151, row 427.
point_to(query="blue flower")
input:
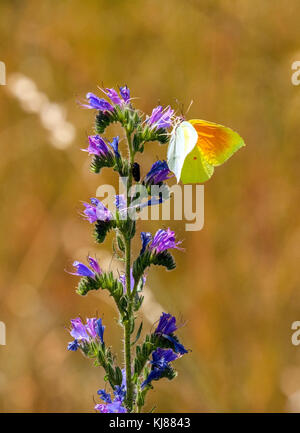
column 125, row 93
column 116, row 405
column 178, row 347
column 158, row 173
column 97, row 103
column 166, row 325
column 115, row 145
column 99, row 328
column 161, row 359
column 146, row 237
column 120, row 392
column 120, row 202
column 104, row 395
column 84, row 271
column 73, row 345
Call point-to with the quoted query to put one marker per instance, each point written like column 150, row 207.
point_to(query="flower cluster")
column 154, row 357
column 83, row 334
column 162, row 357
column 116, row 405
column 162, row 240
column 102, row 104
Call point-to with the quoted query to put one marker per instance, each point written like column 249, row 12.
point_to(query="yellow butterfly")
column 197, row 146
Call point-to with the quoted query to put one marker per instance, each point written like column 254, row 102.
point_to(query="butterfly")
column 197, row 146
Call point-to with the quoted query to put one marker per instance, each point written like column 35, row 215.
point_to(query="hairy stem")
column 127, row 326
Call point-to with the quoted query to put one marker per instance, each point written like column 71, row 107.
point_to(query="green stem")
column 127, row 325
column 127, row 343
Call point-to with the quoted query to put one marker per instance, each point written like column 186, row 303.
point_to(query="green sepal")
column 86, row 284
column 148, row 258
column 118, row 376
column 147, row 133
column 104, row 281
column 169, row 373
column 164, row 259
column 100, row 162
column 102, row 228
column 121, row 166
column 103, row 119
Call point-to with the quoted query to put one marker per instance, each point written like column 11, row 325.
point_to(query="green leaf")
column 138, row 334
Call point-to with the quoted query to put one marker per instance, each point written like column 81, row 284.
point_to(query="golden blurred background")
column 237, row 284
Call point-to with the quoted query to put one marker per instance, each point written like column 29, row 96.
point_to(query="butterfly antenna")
column 189, row 107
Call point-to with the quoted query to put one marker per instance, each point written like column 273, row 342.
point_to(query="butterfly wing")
column 216, row 143
column 183, row 140
column 195, row 168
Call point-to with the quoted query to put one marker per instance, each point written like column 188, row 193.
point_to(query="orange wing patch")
column 216, row 142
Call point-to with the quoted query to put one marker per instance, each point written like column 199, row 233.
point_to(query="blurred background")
column 236, row 287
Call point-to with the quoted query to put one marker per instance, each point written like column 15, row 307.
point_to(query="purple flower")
column 158, row 173
column 84, row 271
column 160, row 362
column 146, row 237
column 122, row 279
column 97, row 146
column 78, row 330
column 94, row 265
column 125, row 93
column 91, row 327
column 92, row 331
column 160, row 118
column 113, row 96
column 166, row 325
column 162, row 357
column 115, row 407
column 96, row 211
column 73, row 345
column 97, row 103
column 163, row 240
